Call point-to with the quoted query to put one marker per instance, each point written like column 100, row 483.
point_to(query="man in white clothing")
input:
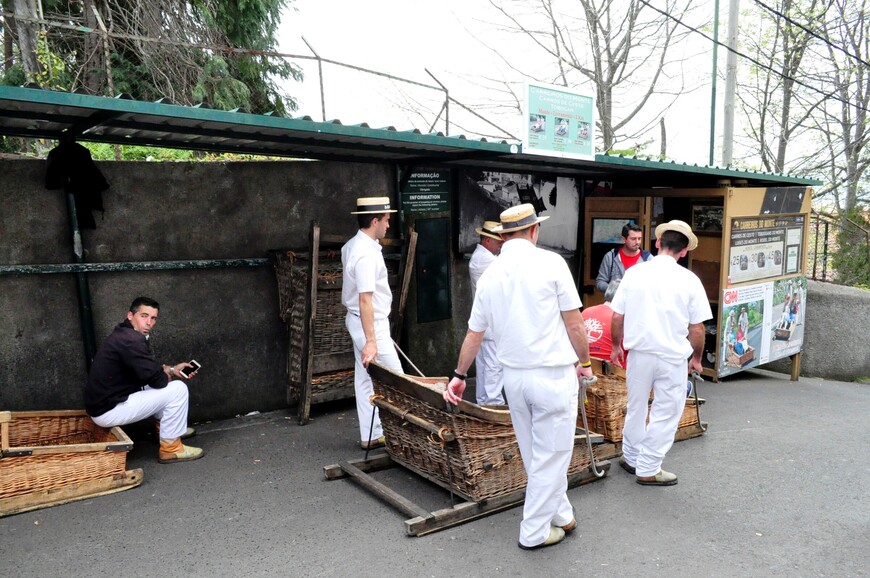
column 660, row 309
column 529, row 301
column 366, row 294
column 489, row 383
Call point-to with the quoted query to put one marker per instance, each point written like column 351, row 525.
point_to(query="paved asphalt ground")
column 777, row 487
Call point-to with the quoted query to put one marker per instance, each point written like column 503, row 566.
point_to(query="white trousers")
column 490, row 380
column 168, row 405
column 644, row 445
column 362, row 383
column 543, row 406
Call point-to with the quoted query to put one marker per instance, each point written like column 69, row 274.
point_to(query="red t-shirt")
column 597, row 321
column 629, row 261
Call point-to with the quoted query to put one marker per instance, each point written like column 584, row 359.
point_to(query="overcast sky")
column 457, row 41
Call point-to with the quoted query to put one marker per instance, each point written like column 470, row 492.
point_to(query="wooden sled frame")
column 422, row 521
column 319, row 243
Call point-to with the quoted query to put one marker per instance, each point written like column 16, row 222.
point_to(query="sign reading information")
column 559, row 122
column 426, row 191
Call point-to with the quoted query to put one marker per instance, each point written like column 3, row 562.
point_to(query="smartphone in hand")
column 187, row 371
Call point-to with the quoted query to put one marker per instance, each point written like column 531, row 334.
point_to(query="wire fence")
column 838, row 250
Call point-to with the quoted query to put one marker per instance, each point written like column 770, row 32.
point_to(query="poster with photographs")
column 483, row 195
column 707, row 218
column 764, row 247
column 760, row 323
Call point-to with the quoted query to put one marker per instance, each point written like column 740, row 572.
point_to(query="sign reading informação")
column 426, row 191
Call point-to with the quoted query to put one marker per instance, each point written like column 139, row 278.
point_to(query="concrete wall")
column 228, row 318
column 836, row 342
column 225, row 318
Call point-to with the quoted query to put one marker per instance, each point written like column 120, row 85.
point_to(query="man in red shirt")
column 597, row 320
column 615, row 262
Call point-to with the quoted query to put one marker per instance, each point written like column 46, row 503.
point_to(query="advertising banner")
column 764, row 247
column 559, row 122
column 761, row 323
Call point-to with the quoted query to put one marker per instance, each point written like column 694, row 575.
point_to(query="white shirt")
column 364, row 271
column 521, row 298
column 660, row 299
column 481, row 259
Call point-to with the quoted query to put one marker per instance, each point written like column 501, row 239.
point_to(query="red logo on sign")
column 730, row 297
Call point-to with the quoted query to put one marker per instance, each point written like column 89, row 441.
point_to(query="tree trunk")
column 25, row 14
column 8, row 23
column 94, row 63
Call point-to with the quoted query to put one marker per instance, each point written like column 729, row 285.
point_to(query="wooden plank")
column 5, row 416
column 407, row 270
column 380, row 490
column 690, row 431
column 82, row 491
column 424, row 391
column 380, row 461
column 608, row 451
column 308, row 327
column 332, row 394
column 333, row 240
column 329, row 362
column 68, row 448
column 49, row 413
column 467, row 511
column 442, row 432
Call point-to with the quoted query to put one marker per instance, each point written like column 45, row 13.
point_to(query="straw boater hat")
column 518, row 218
column 372, row 205
column 486, row 230
column 680, row 227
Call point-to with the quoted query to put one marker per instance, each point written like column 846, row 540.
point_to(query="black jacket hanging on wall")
column 70, row 167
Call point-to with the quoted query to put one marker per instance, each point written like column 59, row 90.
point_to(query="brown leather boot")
column 172, row 451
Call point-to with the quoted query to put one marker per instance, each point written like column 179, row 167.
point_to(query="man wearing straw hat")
column 365, row 292
column 660, row 308
column 489, row 375
column 529, row 301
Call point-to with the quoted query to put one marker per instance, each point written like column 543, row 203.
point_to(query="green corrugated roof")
column 36, row 113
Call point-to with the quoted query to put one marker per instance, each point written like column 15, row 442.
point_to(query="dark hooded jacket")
column 124, row 364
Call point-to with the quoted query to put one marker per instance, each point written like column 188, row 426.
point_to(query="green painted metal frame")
column 128, row 266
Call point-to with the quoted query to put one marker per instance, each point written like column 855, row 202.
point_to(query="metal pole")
column 816, row 252
column 825, row 256
column 446, row 103
column 730, row 85
column 320, row 76
column 84, row 292
column 715, row 74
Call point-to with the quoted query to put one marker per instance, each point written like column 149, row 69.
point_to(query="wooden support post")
column 305, row 392
column 795, row 366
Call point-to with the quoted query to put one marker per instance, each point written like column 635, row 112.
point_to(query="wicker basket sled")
column 54, row 457
column 606, row 406
column 471, row 450
column 320, row 358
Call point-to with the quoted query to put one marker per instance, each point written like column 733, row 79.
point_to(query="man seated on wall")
column 127, row 384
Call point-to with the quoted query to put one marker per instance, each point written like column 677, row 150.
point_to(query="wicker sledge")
column 606, row 403
column 470, row 449
column 54, row 457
